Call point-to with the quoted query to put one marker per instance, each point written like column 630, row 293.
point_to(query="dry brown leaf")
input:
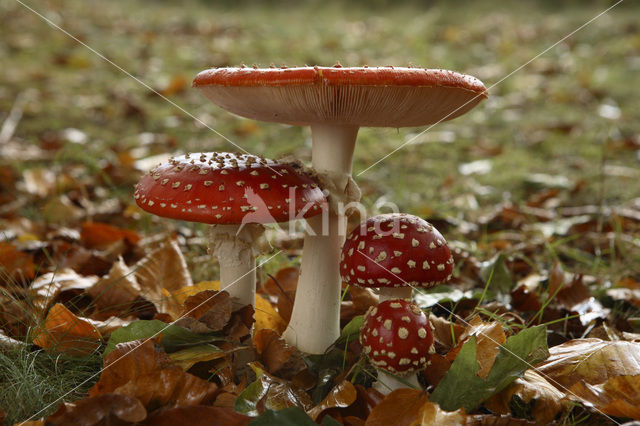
column 443, row 332
column 569, row 289
column 210, row 307
column 547, row 400
column 102, row 409
column 401, row 407
column 283, row 286
column 431, row 414
column 62, row 331
column 197, row 416
column 275, row 354
column 602, row 373
column 342, row 395
column 492, row 420
column 163, row 269
column 117, row 290
column 101, row 236
column 489, row 337
column 144, row 371
column 47, row 288
column 180, row 295
column 16, row 267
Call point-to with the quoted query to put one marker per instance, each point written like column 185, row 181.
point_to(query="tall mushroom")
column 335, row 102
column 236, row 194
column 395, row 252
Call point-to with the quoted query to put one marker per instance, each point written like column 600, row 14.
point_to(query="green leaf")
column 173, row 337
column 497, row 275
column 351, row 331
column 292, row 416
column 461, row 387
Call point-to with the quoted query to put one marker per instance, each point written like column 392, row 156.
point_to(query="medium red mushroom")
column 395, row 252
column 396, row 337
column 235, row 194
column 335, row 102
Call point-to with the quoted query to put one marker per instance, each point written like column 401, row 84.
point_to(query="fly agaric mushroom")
column 236, row 194
column 335, row 102
column 395, row 252
column 396, row 337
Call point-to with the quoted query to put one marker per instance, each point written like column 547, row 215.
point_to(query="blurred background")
column 77, row 130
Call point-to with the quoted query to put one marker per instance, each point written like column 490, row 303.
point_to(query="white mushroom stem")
column 315, row 320
column 387, row 383
column 236, row 247
column 387, row 293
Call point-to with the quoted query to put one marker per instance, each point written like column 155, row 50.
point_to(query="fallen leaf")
column 542, row 400
column 211, row 308
column 600, row 373
column 16, row 267
column 196, row 416
column 274, row 351
column 401, row 407
column 62, row 331
column 290, row 416
column 181, row 294
column 100, row 236
column 117, row 290
column 108, row 408
column 342, row 395
column 432, row 414
column 187, row 357
column 270, row 393
column 172, row 337
column 446, row 333
column 283, row 287
column 462, row 387
column 266, row 316
column 163, row 269
column 48, row 288
column 141, row 370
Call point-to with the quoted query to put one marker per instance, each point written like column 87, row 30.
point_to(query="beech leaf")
column 462, row 387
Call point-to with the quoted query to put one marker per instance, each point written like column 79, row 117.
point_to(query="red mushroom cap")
column 395, row 250
column 225, row 188
column 362, row 96
column 396, row 336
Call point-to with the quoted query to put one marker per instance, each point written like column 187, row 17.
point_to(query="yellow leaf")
column 179, row 296
column 185, row 358
column 267, row 317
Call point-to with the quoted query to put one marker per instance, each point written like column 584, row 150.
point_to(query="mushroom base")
column 387, row 383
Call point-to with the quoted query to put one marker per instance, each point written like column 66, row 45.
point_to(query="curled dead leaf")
column 605, row 374
column 101, row 409
column 62, row 331
column 533, row 389
column 197, row 416
column 210, row 307
column 276, row 354
column 144, row 371
column 341, row 396
column 400, row 407
column 116, row 291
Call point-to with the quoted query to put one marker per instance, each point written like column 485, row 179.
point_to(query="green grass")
column 31, row 380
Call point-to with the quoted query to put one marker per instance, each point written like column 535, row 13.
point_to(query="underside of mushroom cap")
column 362, row 96
column 225, row 188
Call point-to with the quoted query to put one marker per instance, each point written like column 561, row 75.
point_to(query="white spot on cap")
column 441, row 267
column 397, row 253
column 361, row 245
column 432, row 245
column 361, row 268
column 374, row 332
column 208, row 182
column 395, row 305
column 396, row 270
column 405, row 318
column 240, row 183
column 381, row 256
column 264, row 186
column 414, row 242
column 404, row 361
column 188, row 187
column 221, row 187
column 411, row 263
column 391, row 355
column 151, row 203
column 414, row 351
column 164, row 181
column 398, row 235
column 422, row 333
column 175, row 184
column 403, row 333
column 387, row 324
column 425, row 265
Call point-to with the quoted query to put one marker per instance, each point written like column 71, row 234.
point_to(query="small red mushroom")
column 236, row 194
column 396, row 337
column 395, row 252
